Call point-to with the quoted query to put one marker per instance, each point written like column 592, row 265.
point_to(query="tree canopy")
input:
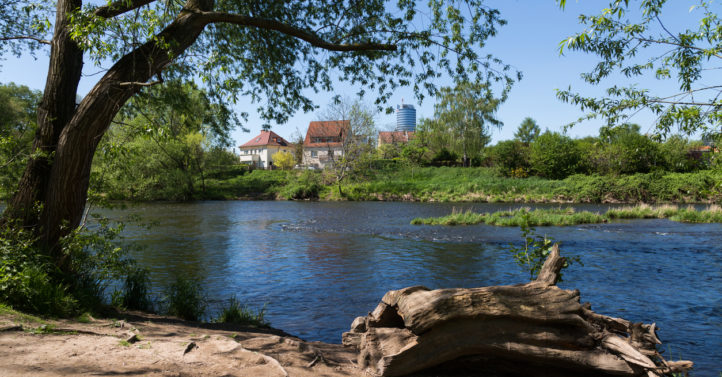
column 274, row 52
column 632, row 41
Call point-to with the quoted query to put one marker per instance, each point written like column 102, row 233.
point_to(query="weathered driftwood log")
column 504, row 330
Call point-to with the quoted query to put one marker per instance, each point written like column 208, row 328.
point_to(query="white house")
column 324, row 142
column 258, row 151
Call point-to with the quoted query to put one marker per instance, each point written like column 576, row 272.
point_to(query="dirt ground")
column 149, row 345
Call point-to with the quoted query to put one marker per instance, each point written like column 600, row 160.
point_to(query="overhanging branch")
column 30, row 37
column 119, row 7
column 310, row 37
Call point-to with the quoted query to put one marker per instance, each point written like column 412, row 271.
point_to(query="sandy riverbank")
column 150, row 345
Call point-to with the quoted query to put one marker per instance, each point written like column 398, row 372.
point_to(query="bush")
column 236, row 313
column 628, row 153
column 185, row 299
column 307, row 185
column 30, row 281
column 444, row 157
column 554, row 156
column 511, row 157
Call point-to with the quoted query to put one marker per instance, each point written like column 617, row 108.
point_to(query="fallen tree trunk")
column 535, row 328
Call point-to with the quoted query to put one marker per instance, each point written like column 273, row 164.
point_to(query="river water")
column 317, row 265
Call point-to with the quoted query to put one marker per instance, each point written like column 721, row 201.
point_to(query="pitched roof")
column 391, row 137
column 330, row 128
column 266, row 138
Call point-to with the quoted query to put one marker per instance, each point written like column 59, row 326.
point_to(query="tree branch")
column 684, row 103
column 141, row 83
column 675, row 44
column 39, row 40
column 119, row 7
column 310, row 37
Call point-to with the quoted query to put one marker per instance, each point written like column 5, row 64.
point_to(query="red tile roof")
column 392, row 137
column 325, row 129
column 266, row 138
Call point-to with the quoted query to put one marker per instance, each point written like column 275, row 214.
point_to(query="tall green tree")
column 631, row 40
column 163, row 145
column 18, row 106
column 464, row 117
column 528, row 131
column 268, row 50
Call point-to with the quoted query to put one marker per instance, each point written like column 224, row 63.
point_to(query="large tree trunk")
column 54, row 112
column 529, row 329
column 70, row 135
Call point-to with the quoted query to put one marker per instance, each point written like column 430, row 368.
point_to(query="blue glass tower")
column 405, row 118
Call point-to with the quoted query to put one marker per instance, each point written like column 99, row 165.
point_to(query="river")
column 317, row 265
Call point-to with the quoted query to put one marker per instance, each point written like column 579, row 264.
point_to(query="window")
column 314, row 154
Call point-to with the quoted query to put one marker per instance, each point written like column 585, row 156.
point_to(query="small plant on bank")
column 531, row 256
column 185, row 299
column 136, row 291
column 235, row 312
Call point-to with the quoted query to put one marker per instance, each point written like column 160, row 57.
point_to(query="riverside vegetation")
column 569, row 216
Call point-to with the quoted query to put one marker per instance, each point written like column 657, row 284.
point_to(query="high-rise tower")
column 405, row 118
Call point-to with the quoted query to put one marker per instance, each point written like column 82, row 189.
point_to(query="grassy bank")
column 446, row 184
column 568, row 216
column 484, row 185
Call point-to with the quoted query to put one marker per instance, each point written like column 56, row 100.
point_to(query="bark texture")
column 534, row 328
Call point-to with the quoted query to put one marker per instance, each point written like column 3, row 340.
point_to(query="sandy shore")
column 150, row 345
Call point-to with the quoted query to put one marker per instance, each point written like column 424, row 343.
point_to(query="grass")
column 235, row 312
column 20, row 316
column 454, row 184
column 569, row 216
column 451, row 184
column 186, row 299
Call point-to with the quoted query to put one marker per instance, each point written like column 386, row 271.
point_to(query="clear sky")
column 529, row 42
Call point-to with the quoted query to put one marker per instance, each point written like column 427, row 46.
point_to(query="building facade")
column 258, row 152
column 324, row 143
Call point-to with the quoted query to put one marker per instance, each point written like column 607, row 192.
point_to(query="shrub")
column 444, row 157
column 237, row 313
column 554, row 156
column 185, row 299
column 628, row 152
column 511, row 157
column 30, row 281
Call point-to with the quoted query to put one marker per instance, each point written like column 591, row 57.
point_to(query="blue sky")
column 529, row 42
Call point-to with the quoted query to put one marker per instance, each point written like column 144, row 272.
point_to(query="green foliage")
column 554, row 156
column 569, row 216
column 30, row 281
column 531, row 256
column 634, row 43
column 444, row 157
column 675, row 152
column 623, row 150
column 135, row 294
column 235, row 312
column 186, row 299
column 463, row 120
column 518, row 217
column 18, row 106
column 511, row 157
column 166, row 144
column 528, row 131
column 306, row 185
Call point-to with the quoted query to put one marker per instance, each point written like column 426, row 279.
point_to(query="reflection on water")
column 318, row 265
